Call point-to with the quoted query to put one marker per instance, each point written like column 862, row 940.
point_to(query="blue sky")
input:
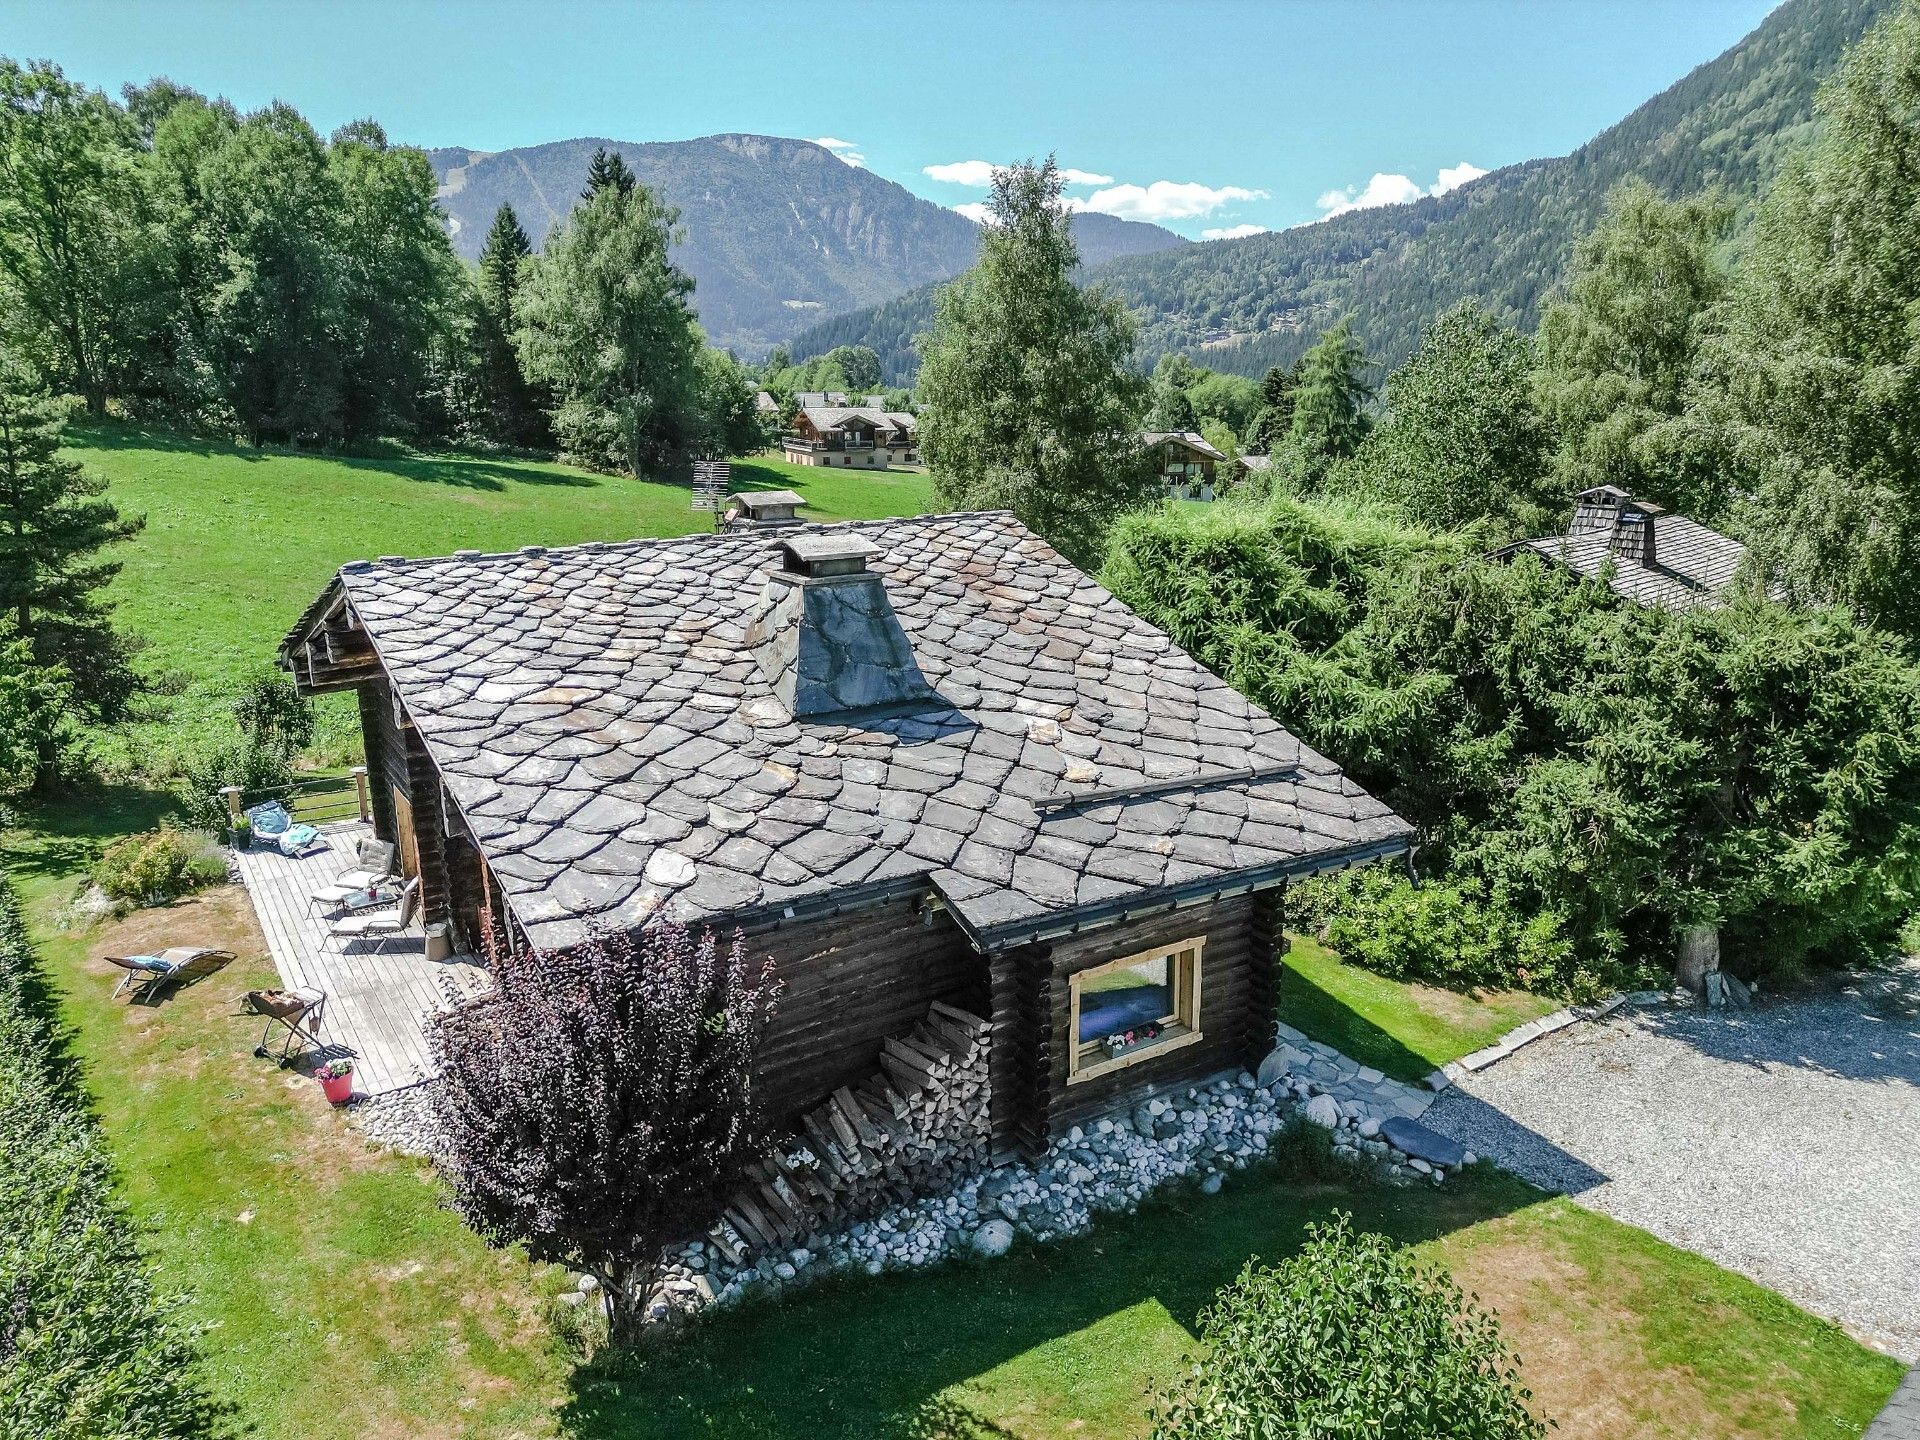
column 1206, row 116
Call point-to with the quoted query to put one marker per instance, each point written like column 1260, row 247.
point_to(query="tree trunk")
column 1699, row 953
column 626, row 1285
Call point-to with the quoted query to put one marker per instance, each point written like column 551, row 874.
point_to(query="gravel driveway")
column 1782, row 1141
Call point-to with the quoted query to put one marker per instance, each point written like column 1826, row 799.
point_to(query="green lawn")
column 1406, row 1030
column 239, row 540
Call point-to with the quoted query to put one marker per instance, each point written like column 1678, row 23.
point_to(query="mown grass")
column 1400, row 1027
column 238, row 540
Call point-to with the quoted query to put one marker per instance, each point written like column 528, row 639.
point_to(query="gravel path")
column 1782, row 1142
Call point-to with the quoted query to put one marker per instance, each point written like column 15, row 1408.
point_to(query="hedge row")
column 88, row 1347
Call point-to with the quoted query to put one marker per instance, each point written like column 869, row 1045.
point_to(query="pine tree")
column 1032, row 403
column 608, row 168
column 507, row 245
column 1330, row 416
column 54, row 520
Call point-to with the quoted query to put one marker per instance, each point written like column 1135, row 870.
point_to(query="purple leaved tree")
column 600, row 1104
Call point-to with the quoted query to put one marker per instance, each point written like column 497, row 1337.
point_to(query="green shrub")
column 1352, row 1337
column 201, row 773
column 271, row 714
column 158, row 865
column 87, row 1346
column 1445, row 932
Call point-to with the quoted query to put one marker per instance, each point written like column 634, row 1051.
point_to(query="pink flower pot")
column 337, row 1088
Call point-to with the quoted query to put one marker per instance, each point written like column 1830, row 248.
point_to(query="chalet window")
column 1132, row 1008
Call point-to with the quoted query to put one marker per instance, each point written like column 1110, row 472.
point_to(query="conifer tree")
column 1032, row 403
column 608, row 168
column 54, row 521
column 506, row 246
column 1330, row 403
column 1618, row 346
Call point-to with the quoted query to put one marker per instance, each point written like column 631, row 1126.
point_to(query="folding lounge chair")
column 272, row 822
column 181, row 964
column 383, row 927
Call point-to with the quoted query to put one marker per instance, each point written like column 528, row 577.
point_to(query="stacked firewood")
column 918, row 1125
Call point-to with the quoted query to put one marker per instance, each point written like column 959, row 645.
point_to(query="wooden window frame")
column 1185, row 966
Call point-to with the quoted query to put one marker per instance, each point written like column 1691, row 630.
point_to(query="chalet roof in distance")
column 1691, row 566
column 617, row 749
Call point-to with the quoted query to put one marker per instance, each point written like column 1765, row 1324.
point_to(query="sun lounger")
column 382, row 927
column 357, row 896
column 182, row 964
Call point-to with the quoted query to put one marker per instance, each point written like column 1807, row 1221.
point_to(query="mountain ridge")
column 1243, row 305
column 776, row 232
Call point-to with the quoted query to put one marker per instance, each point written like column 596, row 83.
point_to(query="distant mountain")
column 779, row 233
column 1242, row 305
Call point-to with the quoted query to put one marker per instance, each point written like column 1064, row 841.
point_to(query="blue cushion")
column 1110, row 1012
column 147, row 962
column 270, row 819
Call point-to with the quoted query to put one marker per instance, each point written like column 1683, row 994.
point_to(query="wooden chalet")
column 863, row 436
column 1187, row 464
column 935, row 772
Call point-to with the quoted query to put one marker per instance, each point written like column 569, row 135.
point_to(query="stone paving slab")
column 1901, row 1419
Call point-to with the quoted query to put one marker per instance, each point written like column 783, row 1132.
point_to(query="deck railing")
column 316, row 801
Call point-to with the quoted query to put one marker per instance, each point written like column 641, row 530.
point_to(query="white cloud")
column 1162, row 200
column 1385, row 189
column 977, row 211
column 1452, row 177
column 1233, row 232
column 847, row 150
column 978, row 174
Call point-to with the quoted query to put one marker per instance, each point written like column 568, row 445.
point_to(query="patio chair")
column 372, row 873
column 182, row 964
column 273, row 822
column 373, row 861
column 383, row 927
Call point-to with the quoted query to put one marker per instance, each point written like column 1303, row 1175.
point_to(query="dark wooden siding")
column 1236, row 1010
column 396, row 759
column 849, row 983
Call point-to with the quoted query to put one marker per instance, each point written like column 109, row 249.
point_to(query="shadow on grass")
column 876, row 1357
column 473, row 472
column 65, row 833
column 1329, row 1019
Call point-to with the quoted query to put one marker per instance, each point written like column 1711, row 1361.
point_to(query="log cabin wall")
column 851, row 981
column 397, row 760
column 1237, row 991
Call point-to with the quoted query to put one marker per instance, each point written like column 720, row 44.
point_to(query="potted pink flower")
column 336, row 1080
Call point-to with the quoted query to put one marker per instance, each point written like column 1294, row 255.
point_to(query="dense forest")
column 1246, row 305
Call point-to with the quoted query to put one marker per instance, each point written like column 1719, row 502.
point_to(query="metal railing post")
column 232, row 792
column 360, row 792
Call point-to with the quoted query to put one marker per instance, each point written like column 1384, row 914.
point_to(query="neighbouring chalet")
column 915, row 761
column 1641, row 551
column 1187, row 465
column 861, row 435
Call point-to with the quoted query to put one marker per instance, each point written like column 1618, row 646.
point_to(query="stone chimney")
column 762, row 510
column 825, row 634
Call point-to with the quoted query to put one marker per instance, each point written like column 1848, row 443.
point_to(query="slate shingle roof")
column 618, row 750
column 1692, row 564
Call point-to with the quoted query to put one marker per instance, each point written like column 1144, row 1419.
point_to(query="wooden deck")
column 377, row 996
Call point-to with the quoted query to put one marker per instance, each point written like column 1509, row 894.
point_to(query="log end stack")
column 918, row 1125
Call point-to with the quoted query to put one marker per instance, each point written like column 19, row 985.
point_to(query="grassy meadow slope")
column 239, row 540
